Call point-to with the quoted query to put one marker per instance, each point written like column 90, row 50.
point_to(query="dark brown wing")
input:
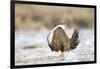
column 60, row 40
column 74, row 39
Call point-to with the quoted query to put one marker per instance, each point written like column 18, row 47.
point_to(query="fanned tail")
column 74, row 41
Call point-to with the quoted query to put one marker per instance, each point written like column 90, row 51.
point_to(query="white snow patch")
column 43, row 55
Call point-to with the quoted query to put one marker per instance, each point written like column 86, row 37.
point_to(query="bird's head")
column 62, row 25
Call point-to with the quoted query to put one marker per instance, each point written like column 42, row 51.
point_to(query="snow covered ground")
column 42, row 54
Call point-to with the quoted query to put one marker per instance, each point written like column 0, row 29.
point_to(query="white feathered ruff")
column 52, row 31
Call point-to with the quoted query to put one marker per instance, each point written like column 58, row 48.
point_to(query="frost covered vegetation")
column 34, row 22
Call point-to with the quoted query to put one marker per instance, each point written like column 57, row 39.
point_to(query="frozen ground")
column 42, row 54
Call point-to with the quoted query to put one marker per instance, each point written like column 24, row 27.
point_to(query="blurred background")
column 33, row 23
column 36, row 16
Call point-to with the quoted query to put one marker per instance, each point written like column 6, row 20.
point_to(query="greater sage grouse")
column 59, row 42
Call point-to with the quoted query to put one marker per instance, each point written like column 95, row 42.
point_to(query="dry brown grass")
column 32, row 46
column 37, row 16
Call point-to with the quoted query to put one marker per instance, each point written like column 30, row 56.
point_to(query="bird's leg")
column 62, row 55
column 57, row 54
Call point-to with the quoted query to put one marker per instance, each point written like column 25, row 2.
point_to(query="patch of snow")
column 43, row 55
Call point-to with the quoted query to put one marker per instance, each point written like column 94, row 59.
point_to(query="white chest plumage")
column 52, row 32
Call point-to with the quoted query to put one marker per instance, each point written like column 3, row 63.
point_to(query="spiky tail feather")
column 74, row 41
